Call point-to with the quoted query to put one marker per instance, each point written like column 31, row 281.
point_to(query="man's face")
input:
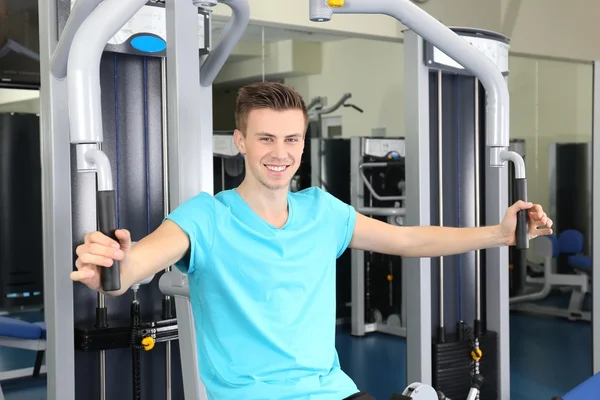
column 272, row 146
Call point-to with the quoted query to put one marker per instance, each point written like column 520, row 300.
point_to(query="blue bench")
column 23, row 335
column 588, row 390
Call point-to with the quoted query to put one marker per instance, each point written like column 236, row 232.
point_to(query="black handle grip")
column 522, row 215
column 106, row 201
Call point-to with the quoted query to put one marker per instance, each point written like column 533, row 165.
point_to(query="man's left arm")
column 436, row 241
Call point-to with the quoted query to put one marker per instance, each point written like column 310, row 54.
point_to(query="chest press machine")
column 440, row 365
column 91, row 24
column 81, row 175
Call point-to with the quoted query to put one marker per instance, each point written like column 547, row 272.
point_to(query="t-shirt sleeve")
column 196, row 217
column 343, row 219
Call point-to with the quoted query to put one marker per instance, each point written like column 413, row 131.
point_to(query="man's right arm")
column 184, row 239
column 162, row 248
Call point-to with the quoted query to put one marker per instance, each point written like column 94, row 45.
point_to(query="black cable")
column 135, row 350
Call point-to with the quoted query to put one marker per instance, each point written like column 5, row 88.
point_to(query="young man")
column 261, row 261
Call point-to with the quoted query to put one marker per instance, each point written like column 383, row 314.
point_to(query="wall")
column 373, row 72
column 553, row 28
column 23, row 101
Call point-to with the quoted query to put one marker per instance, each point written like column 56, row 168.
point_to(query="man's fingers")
column 100, row 238
column 82, row 274
column 101, row 250
column 522, row 205
column 541, row 232
column 124, row 237
column 93, row 259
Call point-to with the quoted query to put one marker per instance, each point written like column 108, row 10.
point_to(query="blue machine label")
column 148, row 44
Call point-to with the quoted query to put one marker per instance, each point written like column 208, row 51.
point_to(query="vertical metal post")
column 496, row 269
column 189, row 119
column 418, row 209
column 166, row 205
column 596, row 219
column 357, row 263
column 56, row 206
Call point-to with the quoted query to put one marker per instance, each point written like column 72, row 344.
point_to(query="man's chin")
column 278, row 184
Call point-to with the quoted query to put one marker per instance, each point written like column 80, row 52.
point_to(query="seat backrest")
column 570, row 242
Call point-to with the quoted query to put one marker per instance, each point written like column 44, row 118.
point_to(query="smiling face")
column 272, row 145
column 271, row 121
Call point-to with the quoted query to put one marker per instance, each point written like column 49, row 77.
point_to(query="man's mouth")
column 276, row 168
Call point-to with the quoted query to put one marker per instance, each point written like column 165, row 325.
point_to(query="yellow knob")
column 148, row 343
column 390, row 277
column 335, row 3
column 476, row 354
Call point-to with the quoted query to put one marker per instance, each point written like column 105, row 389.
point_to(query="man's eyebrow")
column 271, row 135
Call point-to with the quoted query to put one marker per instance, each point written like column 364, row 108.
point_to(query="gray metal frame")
column 596, row 220
column 56, row 203
column 418, row 270
column 189, row 151
column 187, row 154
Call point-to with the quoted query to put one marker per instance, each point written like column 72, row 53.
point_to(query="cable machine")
column 126, row 138
column 432, row 51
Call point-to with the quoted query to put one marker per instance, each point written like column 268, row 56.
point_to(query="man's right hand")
column 99, row 251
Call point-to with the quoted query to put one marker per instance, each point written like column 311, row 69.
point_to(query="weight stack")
column 452, row 367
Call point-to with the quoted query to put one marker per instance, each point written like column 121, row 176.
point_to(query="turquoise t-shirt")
column 264, row 298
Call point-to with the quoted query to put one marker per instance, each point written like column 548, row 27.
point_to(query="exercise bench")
column 587, row 390
column 20, row 334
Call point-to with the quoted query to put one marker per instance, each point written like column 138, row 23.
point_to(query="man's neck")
column 270, row 204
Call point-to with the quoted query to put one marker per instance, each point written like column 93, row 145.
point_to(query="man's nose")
column 280, row 151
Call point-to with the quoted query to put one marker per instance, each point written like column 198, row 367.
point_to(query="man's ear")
column 239, row 141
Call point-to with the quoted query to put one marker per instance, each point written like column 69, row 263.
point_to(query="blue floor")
column 549, row 356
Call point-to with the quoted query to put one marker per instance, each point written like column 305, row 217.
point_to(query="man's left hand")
column 539, row 223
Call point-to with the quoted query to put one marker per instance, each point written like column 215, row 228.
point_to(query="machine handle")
column 522, row 215
column 368, row 185
column 106, row 201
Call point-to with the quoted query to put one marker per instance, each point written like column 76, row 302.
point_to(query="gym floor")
column 549, row 356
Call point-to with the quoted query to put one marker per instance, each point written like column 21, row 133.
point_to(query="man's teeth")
column 277, row 168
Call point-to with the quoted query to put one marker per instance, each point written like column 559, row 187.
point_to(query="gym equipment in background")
column 119, row 143
column 21, row 278
column 570, row 186
column 479, row 57
column 24, row 335
column 308, row 164
column 565, row 265
column 566, row 247
column 332, row 156
column 377, row 189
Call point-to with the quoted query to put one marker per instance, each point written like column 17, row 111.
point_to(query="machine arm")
column 85, row 111
column 81, row 10
column 429, row 28
column 230, row 36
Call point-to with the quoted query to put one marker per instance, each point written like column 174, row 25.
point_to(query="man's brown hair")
column 273, row 95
